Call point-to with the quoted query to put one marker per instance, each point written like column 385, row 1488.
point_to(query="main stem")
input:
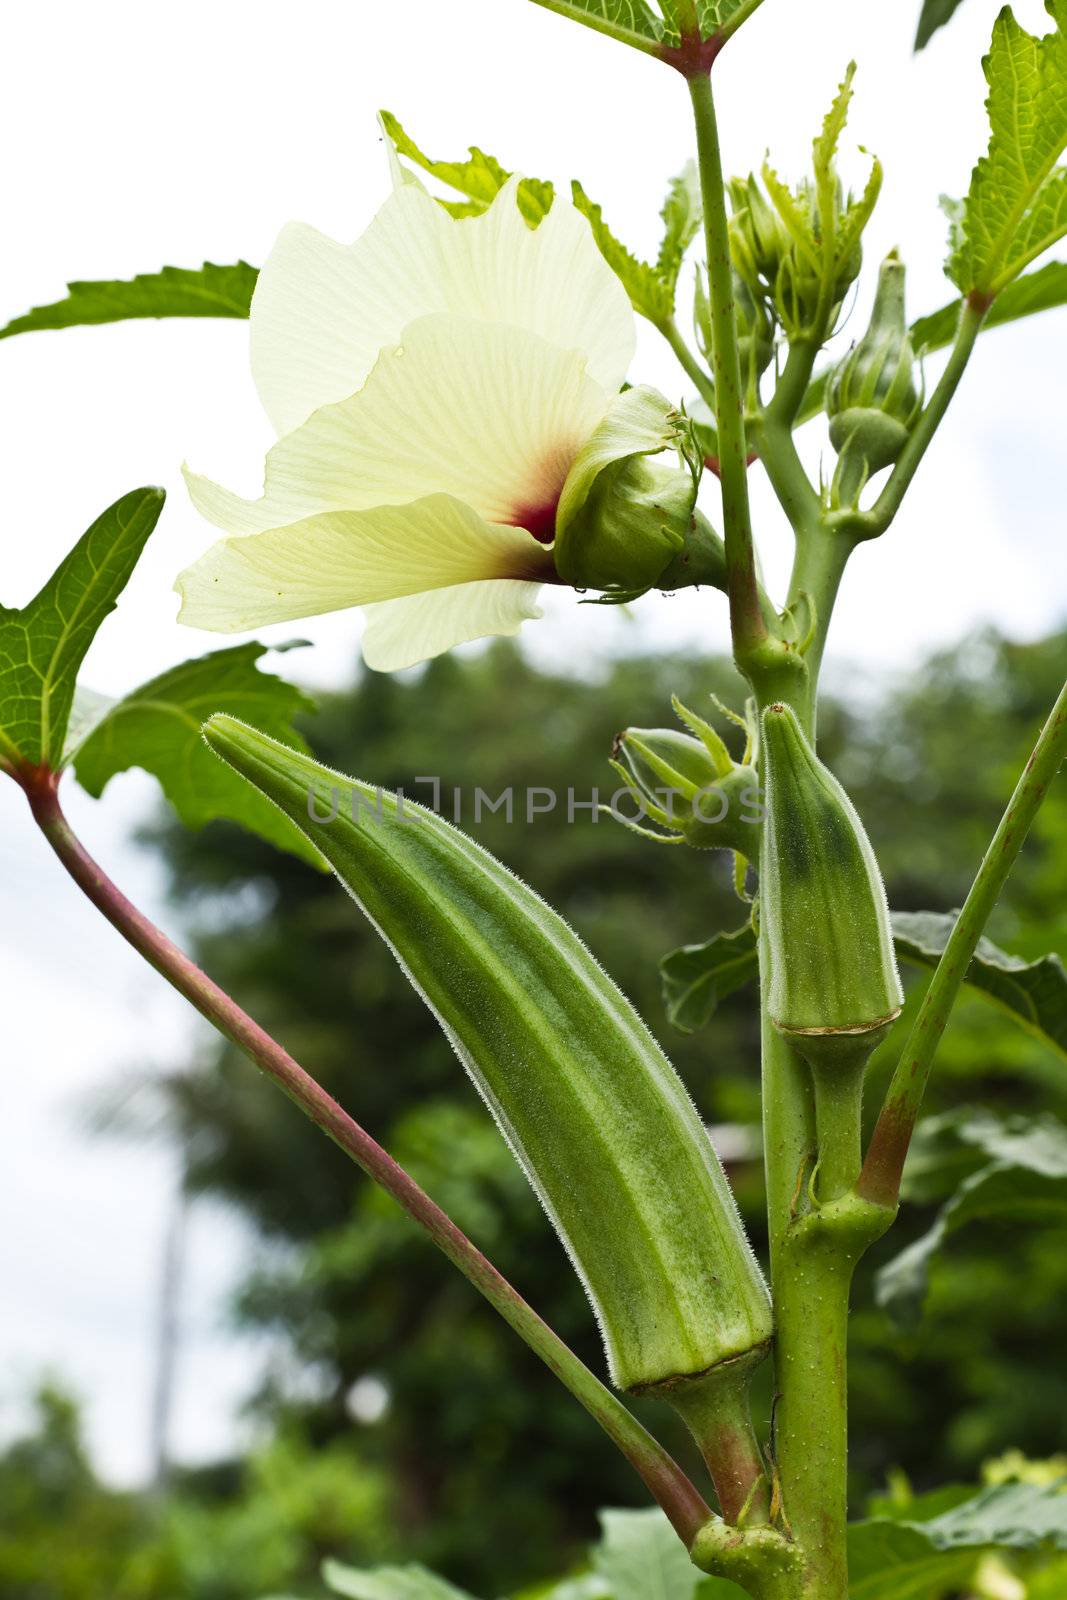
column 665, row 1480
column 746, row 618
column 811, row 1267
column 816, row 1259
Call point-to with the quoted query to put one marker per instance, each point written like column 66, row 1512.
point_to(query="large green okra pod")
column 594, row 1112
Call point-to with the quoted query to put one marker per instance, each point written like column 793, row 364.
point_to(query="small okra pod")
column 834, row 985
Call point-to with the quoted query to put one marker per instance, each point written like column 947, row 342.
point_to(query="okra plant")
column 457, row 427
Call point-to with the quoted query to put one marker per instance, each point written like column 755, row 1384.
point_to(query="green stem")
column 811, row 1421
column 888, row 503
column 773, row 441
column 747, row 625
column 809, row 1117
column 688, row 361
column 663, row 1477
column 838, row 1127
column 792, row 386
column 815, row 1244
column 818, row 568
column 811, row 1417
column 788, row 1124
column 774, row 436
column 880, row 1178
column 715, row 1409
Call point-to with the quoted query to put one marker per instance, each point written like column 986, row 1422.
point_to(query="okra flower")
column 439, row 388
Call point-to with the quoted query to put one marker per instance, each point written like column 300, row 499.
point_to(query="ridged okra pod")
column 590, row 1105
column 834, row 986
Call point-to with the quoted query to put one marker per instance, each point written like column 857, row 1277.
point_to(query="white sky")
column 134, row 140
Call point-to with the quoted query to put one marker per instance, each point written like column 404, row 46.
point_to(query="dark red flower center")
column 538, row 519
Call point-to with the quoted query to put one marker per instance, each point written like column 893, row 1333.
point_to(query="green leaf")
column 1042, row 290
column 43, row 645
column 1016, row 206
column 1011, row 1516
column 945, row 1150
column 582, row 1586
column 712, row 17
column 1033, row 993
column 1026, row 1181
column 683, row 215
column 911, row 1559
column 715, row 16
column 891, row 1560
column 157, row 728
column 412, row 1582
column 207, row 291
column 480, row 177
column 895, row 1561
column 651, row 295
column 934, row 15
column 824, row 223
column 698, row 976
column 840, row 234
column 89, row 709
column 630, row 21
column 651, row 289
column 633, row 22
column 640, row 1557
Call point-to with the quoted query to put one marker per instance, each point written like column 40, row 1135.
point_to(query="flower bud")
column 872, row 398
column 630, row 528
column 834, row 986
column 627, row 506
column 758, row 238
column 690, row 786
column 755, row 327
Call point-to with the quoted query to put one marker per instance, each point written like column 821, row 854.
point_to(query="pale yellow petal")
column 348, row 558
column 322, row 311
column 400, row 633
column 489, row 413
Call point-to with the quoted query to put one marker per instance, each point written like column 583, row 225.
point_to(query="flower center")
column 538, row 519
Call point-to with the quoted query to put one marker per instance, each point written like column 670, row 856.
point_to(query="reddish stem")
column 695, row 56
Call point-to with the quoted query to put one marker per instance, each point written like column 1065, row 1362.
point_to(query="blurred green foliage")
column 481, row 1466
column 230, row 1534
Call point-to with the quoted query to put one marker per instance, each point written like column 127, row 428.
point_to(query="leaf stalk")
column 885, row 508
column 884, row 1164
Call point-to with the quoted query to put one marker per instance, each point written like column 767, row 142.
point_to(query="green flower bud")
column 755, row 327
column 689, row 784
column 872, row 398
column 627, row 506
column 834, row 986
column 630, row 528
column 758, row 238
column 823, row 225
